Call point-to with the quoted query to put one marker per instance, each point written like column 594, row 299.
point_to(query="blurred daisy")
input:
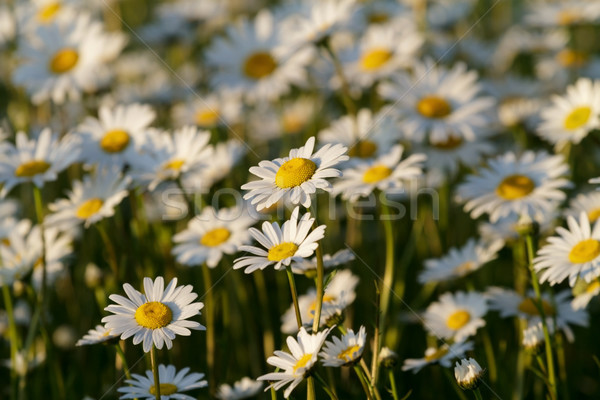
column 385, row 173
column 296, row 177
column 344, row 351
column 212, row 234
column 575, row 253
column 113, row 138
column 242, row 389
column 36, row 160
column 435, row 102
column 585, row 293
column 297, row 365
column 572, row 117
column 456, row 316
column 44, row 12
column 519, row 100
column 172, row 384
column 533, row 336
column 97, row 335
column 557, row 308
column 309, row 267
column 89, row 201
column 588, row 203
column 506, row 228
column 459, row 262
column 217, row 109
column 7, row 26
column 253, row 61
column 564, row 13
column 442, row 355
column 157, row 316
column 525, row 185
column 445, row 13
column 58, row 246
column 338, row 295
column 20, row 250
column 283, row 245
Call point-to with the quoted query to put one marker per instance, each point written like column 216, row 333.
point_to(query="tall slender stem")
column 292, row 282
column 376, row 340
column 155, row 372
column 393, row 384
column 330, row 392
column 121, row 355
column 210, row 325
column 320, row 289
column 310, row 389
column 388, row 276
column 363, row 381
column 477, row 394
column 13, row 340
column 39, row 211
column 112, row 255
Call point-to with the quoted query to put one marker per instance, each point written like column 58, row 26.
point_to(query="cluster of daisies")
column 157, row 139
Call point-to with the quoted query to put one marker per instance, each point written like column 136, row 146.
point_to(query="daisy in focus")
column 245, row 388
column 456, row 316
column 156, row 317
column 172, row 384
column 442, row 355
column 97, row 335
column 295, row 366
column 523, row 185
column 296, row 177
column 344, row 351
column 292, row 241
column 468, row 373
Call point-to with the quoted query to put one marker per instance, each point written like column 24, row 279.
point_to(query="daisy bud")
column 387, row 358
column 93, row 275
column 336, row 319
column 468, row 374
column 533, row 336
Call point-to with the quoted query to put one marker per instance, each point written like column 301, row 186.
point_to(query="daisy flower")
column 296, row 366
column 157, row 316
column 585, row 293
column 7, row 26
column 556, row 307
column 309, row 267
column 442, row 355
column 468, row 373
column 296, row 177
column 525, row 185
column 385, row 173
column 58, row 246
column 212, row 234
column 252, row 60
column 291, row 241
column 564, row 13
column 20, row 250
column 344, row 351
column 242, row 389
column 37, row 160
column 172, row 384
column 89, row 201
column 588, row 203
column 97, row 335
column 218, row 109
column 533, row 336
column 456, row 316
column 438, row 103
column 460, row 261
column 572, row 117
column 506, row 228
column 113, row 139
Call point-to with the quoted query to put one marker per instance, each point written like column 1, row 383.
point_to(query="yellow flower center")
column 326, row 299
column 259, row 64
column 439, row 353
column 584, row 251
column 5, row 241
column 375, row 59
column 31, row 168
column 282, row 251
column 295, row 172
column 568, row 17
column 292, row 123
column 348, row 354
column 63, row 61
column 592, row 287
column 89, row 208
column 153, row 315
column 433, row 107
column 207, row 117
column 378, row 18
column 215, row 237
column 458, row 319
column 451, row 143
column 514, row 187
column 376, row 174
column 47, row 13
column 107, row 333
column 115, row 141
column 464, row 268
column 174, row 164
column 363, row 149
column 578, row 118
column 166, row 389
column 571, row 58
column 529, row 307
column 301, row 363
column 594, row 214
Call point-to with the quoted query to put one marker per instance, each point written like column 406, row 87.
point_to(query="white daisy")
column 113, row 138
column 44, row 12
column 585, row 294
column 574, row 254
column 19, row 251
column 468, row 373
column 7, row 26
column 438, row 103
column 37, row 160
column 172, row 383
column 385, row 173
column 526, row 185
column 309, row 267
column 456, row 316
column 89, row 201
column 253, row 61
column 242, row 389
column 572, row 117
column 97, row 335
column 556, row 308
column 217, row 109
column 506, row 228
column 296, row 366
column 58, row 246
column 519, row 100
column 338, row 295
column 344, row 351
column 533, row 336
column 563, row 13
column 442, row 355
column 442, row 14
column 291, row 241
column 588, row 203
column 212, row 234
column 157, row 316
column 296, row 177
column 459, row 262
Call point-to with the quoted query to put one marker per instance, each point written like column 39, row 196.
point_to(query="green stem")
column 393, row 384
column 155, row 372
column 477, row 394
column 320, row 289
column 363, row 381
column 210, row 325
column 13, row 340
column 489, row 353
column 39, row 211
column 388, row 276
column 292, row 282
column 112, row 255
column 325, row 387
column 339, row 69
column 121, row 355
column 310, row 389
column 376, row 340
